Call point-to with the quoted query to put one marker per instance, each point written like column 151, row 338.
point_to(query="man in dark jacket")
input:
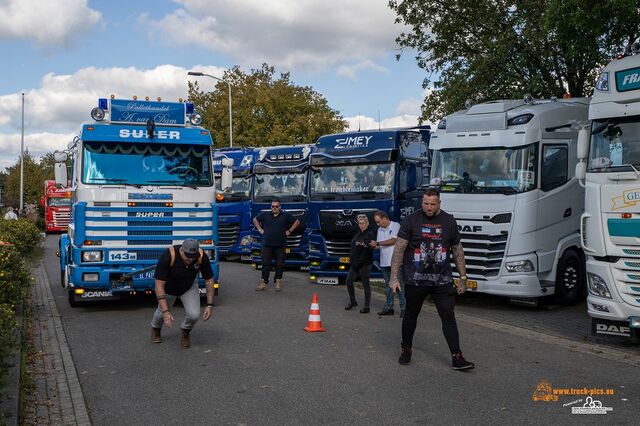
column 360, row 260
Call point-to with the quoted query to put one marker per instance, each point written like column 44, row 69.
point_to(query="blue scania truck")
column 358, row 173
column 234, row 202
column 142, row 180
column 281, row 172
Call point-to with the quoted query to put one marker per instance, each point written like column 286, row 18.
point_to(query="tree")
column 497, row 49
column 34, row 177
column 266, row 111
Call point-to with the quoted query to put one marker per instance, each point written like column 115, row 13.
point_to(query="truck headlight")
column 634, row 322
column 92, row 256
column 597, row 286
column 519, row 266
column 246, row 240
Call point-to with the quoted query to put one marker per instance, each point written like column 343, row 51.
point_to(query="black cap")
column 190, row 248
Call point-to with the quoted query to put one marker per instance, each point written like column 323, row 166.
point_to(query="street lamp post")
column 201, row 74
column 22, row 161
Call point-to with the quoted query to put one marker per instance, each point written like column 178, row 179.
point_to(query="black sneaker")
column 386, row 311
column 405, row 355
column 459, row 363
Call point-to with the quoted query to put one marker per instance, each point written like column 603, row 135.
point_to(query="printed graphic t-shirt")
column 427, row 259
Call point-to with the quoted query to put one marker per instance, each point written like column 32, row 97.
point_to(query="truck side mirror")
column 60, row 157
column 581, row 170
column 60, row 172
column 227, row 174
column 583, row 142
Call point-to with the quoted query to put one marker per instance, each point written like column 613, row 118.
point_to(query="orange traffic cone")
column 315, row 323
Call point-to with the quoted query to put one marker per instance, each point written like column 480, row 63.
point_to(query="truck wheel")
column 570, row 278
column 72, row 302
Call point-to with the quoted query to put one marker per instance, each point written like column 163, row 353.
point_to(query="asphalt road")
column 252, row 364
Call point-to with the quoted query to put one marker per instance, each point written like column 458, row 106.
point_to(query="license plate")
column 245, row 257
column 327, row 280
column 287, row 250
column 115, row 256
column 344, row 260
column 145, row 275
column 471, row 284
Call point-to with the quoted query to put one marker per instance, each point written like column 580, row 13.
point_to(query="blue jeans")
column 386, row 273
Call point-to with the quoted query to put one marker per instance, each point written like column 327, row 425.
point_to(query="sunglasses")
column 275, row 207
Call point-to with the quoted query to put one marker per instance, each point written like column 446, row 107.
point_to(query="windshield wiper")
column 330, row 195
column 368, row 195
column 506, row 190
column 172, row 182
column 116, row 180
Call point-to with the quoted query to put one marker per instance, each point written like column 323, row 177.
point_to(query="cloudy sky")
column 64, row 54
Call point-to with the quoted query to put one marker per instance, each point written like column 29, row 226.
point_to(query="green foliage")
column 497, row 49
column 23, row 234
column 8, row 339
column 266, row 110
column 15, row 278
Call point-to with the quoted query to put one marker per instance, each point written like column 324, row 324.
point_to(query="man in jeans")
column 423, row 247
column 274, row 226
column 386, row 239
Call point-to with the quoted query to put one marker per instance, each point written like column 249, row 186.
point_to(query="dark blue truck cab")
column 358, row 173
column 281, row 172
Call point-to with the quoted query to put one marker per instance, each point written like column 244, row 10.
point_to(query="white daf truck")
column 505, row 170
column 609, row 154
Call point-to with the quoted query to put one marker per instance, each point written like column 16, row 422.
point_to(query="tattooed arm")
column 396, row 263
column 458, row 259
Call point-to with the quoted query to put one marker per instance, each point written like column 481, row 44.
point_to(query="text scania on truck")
column 609, row 154
column 359, row 173
column 57, row 206
column 281, row 172
column 505, row 172
column 234, row 202
column 142, row 180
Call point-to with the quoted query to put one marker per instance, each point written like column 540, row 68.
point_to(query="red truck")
column 57, row 207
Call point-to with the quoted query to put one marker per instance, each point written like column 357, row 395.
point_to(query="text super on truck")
column 609, row 153
column 142, row 181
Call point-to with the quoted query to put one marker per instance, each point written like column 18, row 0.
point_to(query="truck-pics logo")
column 353, row 142
column 628, row 199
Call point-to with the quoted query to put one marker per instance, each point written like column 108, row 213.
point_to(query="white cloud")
column 409, row 107
column 55, row 110
column 349, row 71
column 46, row 22
column 309, row 34
column 368, row 123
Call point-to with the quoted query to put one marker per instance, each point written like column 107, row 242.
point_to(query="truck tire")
column 570, row 278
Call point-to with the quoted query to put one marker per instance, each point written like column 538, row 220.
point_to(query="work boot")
column 405, row 355
column 386, row 311
column 185, row 342
column 262, row 286
column 459, row 363
column 155, row 335
column 278, row 285
column 351, row 305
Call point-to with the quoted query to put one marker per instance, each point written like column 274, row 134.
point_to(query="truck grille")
column 338, row 247
column 228, row 234
column 627, row 279
column 294, row 240
column 483, row 254
column 60, row 219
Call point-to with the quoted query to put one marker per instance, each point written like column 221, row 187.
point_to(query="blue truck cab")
column 234, row 203
column 142, row 180
column 281, row 172
column 359, row 173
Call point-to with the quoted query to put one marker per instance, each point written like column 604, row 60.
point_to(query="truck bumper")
column 515, row 285
column 332, row 271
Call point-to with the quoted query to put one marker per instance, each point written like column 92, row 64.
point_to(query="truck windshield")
column 279, row 185
column 239, row 190
column 352, row 181
column 59, row 202
column 615, row 144
column 145, row 164
column 485, row 170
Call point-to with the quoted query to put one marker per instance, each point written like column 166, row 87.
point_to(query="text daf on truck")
column 142, row 181
column 609, row 150
column 505, row 170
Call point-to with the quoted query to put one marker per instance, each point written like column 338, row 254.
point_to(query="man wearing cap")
column 176, row 276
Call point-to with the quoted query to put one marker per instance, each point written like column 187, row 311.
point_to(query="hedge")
column 23, row 234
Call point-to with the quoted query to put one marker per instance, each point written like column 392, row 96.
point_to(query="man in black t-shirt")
column 275, row 226
column 176, row 276
column 423, row 248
